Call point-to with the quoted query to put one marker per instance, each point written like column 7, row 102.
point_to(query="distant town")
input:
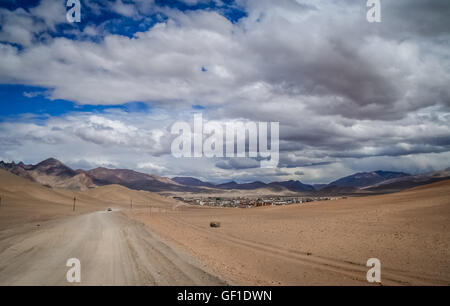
column 248, row 202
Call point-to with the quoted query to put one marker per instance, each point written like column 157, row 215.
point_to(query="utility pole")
column 131, row 204
column 74, row 200
column 0, row 201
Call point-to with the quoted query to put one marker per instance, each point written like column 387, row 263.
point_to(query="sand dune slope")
column 26, row 201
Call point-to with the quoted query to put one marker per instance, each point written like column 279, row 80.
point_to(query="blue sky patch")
column 20, row 99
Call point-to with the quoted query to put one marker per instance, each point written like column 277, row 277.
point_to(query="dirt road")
column 112, row 249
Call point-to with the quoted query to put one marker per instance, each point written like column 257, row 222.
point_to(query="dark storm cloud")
column 341, row 88
column 238, row 163
column 418, row 17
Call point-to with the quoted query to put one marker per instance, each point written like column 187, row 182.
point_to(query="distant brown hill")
column 363, row 179
column 402, row 183
column 135, row 180
column 51, row 172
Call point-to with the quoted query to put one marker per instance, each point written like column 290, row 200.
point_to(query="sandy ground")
column 161, row 242
column 323, row 243
column 39, row 232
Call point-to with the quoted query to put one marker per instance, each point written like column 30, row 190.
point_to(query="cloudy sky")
column 350, row 95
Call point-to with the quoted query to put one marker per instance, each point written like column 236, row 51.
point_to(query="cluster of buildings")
column 243, row 202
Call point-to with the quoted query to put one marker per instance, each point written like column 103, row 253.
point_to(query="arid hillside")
column 24, row 200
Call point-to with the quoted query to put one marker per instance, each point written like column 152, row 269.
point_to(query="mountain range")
column 53, row 173
column 295, row 186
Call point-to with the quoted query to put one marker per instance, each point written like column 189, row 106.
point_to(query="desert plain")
column 148, row 239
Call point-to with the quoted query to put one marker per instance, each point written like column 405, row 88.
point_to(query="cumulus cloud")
column 25, row 28
column 83, row 136
column 128, row 10
column 349, row 95
column 276, row 58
